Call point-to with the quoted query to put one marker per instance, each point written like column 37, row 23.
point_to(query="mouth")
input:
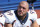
column 20, row 12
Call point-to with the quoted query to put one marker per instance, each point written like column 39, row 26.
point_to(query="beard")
column 21, row 15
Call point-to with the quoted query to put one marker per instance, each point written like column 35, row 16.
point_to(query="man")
column 21, row 17
column 2, row 19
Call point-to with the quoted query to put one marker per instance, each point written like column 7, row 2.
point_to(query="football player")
column 21, row 17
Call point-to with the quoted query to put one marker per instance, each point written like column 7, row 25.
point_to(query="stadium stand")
column 12, row 4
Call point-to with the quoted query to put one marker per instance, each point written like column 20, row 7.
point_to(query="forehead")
column 24, row 5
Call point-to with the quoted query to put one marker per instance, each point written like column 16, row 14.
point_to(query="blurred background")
column 12, row 4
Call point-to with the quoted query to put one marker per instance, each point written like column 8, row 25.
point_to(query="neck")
column 22, row 18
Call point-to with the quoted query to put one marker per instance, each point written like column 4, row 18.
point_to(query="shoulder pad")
column 31, row 12
column 9, row 12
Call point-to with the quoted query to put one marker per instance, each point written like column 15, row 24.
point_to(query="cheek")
column 24, row 11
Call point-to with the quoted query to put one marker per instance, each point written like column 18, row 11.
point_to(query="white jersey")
column 38, row 21
column 12, row 19
column 2, row 20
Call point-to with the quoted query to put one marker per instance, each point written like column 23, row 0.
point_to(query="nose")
column 21, row 9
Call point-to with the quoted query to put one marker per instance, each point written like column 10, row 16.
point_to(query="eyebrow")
column 21, row 6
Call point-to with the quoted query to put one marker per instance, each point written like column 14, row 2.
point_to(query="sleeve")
column 9, row 18
column 33, row 15
column 33, row 18
column 38, row 21
column 9, row 21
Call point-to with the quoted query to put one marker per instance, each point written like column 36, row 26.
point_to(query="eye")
column 24, row 8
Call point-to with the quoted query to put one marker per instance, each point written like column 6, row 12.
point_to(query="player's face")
column 22, row 10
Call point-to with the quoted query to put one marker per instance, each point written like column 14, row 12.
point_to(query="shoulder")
column 32, row 14
column 2, row 15
column 10, row 15
column 10, row 11
column 2, row 18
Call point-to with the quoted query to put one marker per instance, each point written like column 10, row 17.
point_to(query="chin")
column 20, row 15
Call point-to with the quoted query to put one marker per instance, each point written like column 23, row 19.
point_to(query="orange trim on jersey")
column 13, row 22
column 1, row 25
column 27, row 26
column 30, row 20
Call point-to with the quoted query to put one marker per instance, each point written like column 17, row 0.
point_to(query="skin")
column 35, row 24
column 21, row 11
